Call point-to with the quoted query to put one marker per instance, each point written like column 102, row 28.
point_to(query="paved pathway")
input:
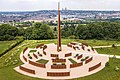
column 104, row 46
column 111, row 56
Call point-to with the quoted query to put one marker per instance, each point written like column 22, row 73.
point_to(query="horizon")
column 36, row 5
column 61, row 10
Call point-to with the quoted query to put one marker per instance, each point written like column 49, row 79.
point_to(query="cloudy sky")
column 34, row 5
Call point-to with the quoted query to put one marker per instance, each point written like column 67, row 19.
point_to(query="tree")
column 40, row 31
column 8, row 32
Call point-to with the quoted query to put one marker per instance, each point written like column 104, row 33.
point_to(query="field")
column 11, row 60
column 112, row 51
column 5, row 45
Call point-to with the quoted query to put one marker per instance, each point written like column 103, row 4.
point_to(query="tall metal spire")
column 59, row 48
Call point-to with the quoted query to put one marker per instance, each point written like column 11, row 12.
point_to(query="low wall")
column 88, row 60
column 59, row 60
column 40, row 45
column 92, row 49
column 35, row 56
column 83, row 47
column 76, row 65
column 69, row 54
column 57, row 74
column 94, row 67
column 25, row 50
column 80, row 56
column 69, row 45
column 73, row 43
column 27, row 70
column 24, row 58
column 85, row 44
column 44, row 52
column 54, row 55
column 58, row 66
column 74, row 48
column 37, row 64
column 45, row 47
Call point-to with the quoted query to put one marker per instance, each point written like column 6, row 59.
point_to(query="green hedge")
column 11, row 47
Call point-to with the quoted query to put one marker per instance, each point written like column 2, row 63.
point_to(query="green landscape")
column 11, row 59
column 14, row 40
column 63, row 40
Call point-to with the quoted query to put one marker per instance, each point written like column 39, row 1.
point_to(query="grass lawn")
column 112, row 51
column 33, row 51
column 72, row 61
column 5, row 45
column 108, row 73
column 12, row 60
column 43, row 61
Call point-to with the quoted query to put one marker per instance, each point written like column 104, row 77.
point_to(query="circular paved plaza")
column 74, row 61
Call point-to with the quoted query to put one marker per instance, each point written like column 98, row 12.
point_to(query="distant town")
column 79, row 16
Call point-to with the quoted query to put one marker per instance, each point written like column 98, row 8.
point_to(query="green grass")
column 33, row 51
column 43, row 61
column 12, row 60
column 5, row 45
column 108, row 73
column 72, row 61
column 112, row 51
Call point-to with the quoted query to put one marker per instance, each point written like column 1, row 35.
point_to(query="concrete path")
column 111, row 56
column 104, row 46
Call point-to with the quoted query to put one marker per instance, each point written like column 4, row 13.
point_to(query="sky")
column 35, row 5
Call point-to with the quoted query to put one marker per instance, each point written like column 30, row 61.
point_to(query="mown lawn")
column 11, row 60
column 108, row 73
column 112, row 51
column 5, row 45
column 43, row 61
column 72, row 61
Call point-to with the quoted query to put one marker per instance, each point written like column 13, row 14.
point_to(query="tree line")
column 36, row 32
column 96, row 30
